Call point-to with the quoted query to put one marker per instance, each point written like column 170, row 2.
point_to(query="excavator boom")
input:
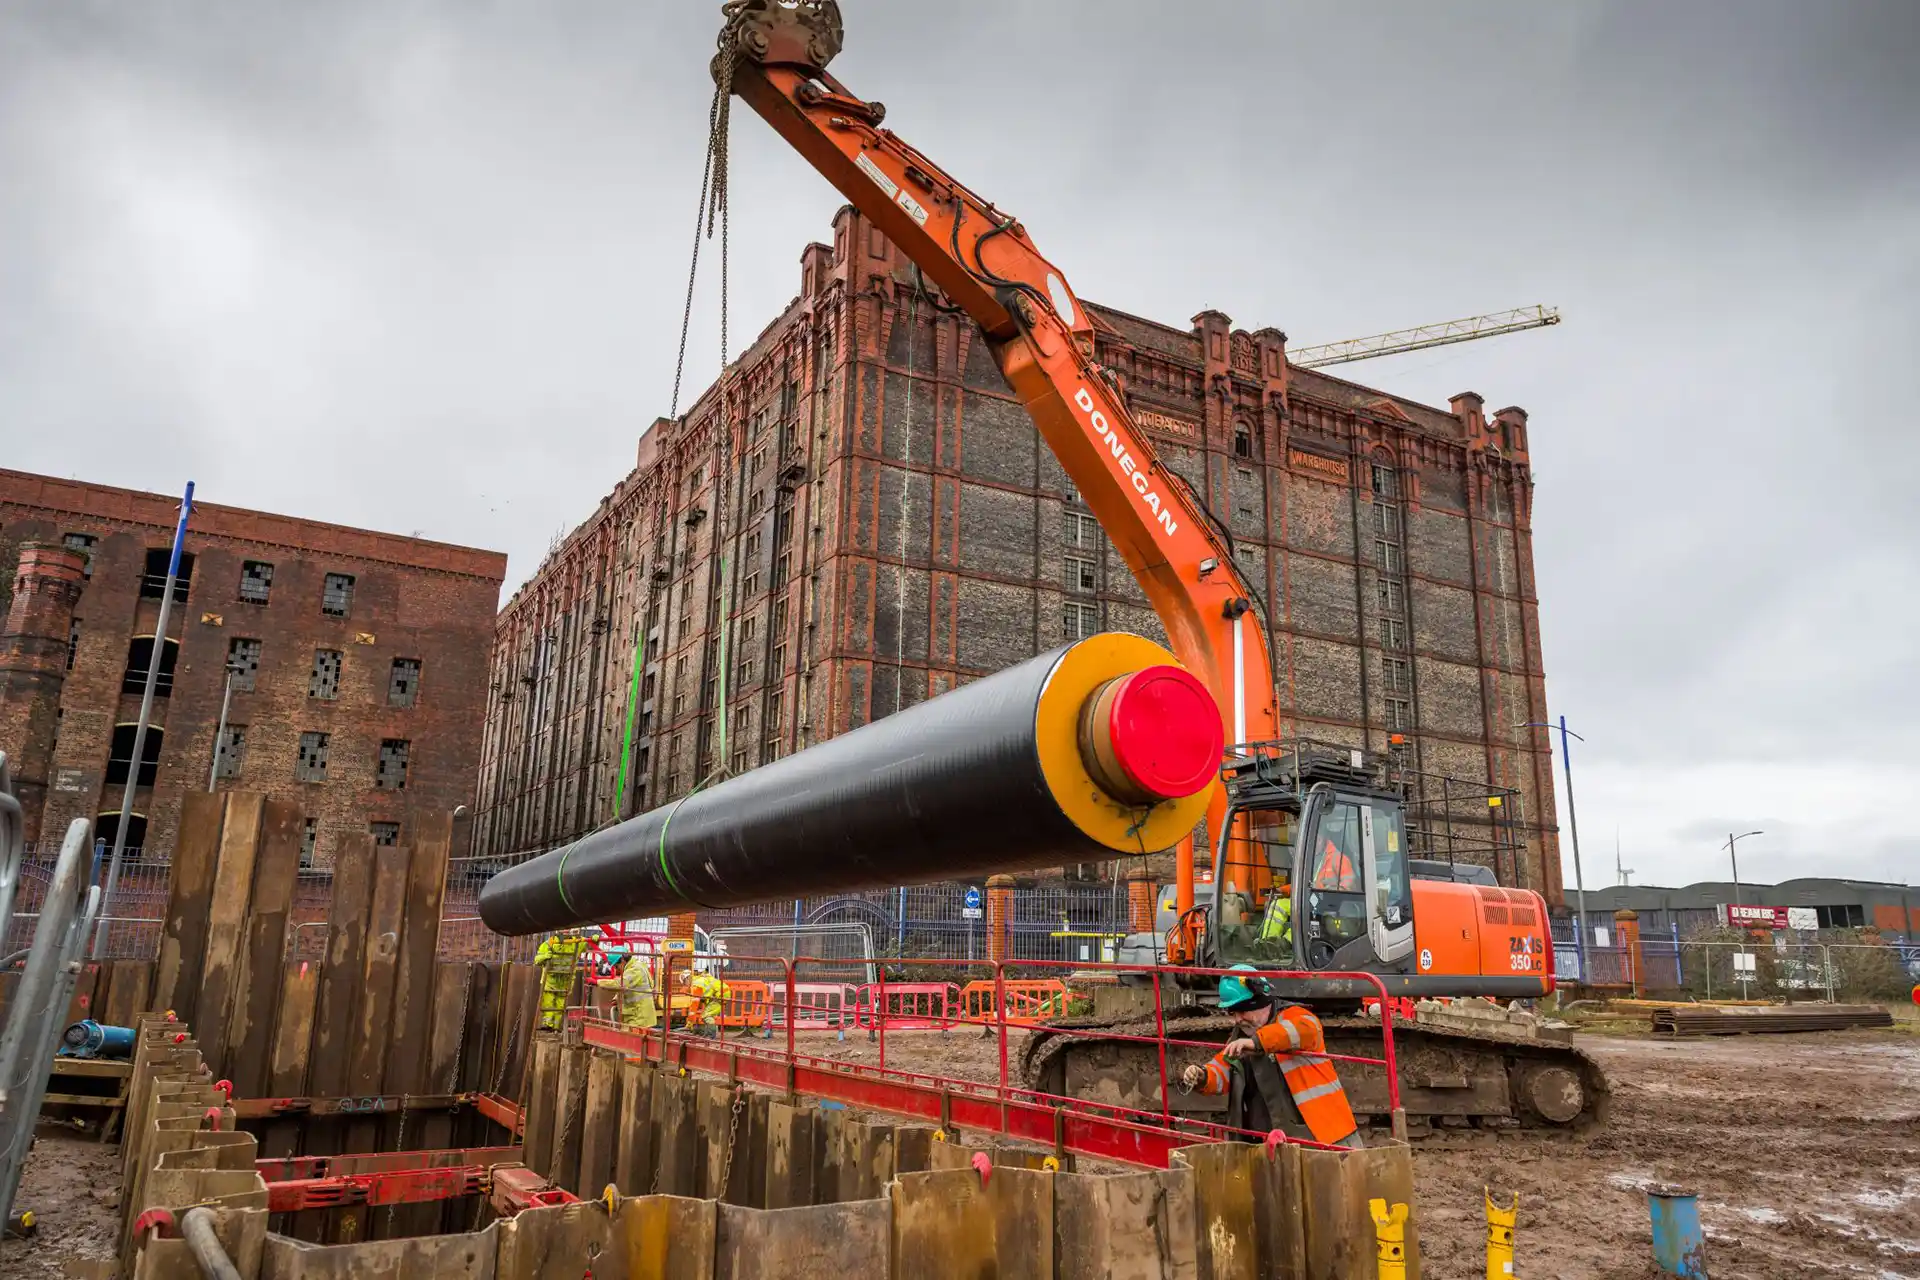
column 775, row 53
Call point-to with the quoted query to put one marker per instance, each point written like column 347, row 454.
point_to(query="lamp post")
column 1733, row 854
column 1573, row 821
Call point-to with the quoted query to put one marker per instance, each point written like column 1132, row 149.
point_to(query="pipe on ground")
column 1104, row 746
column 196, row 1228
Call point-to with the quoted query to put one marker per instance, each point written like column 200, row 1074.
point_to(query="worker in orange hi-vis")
column 1336, row 872
column 1275, row 1072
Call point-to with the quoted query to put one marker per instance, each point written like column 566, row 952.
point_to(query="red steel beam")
column 367, row 1105
column 1064, row 1123
column 404, row 1186
column 504, row 1112
column 295, row 1168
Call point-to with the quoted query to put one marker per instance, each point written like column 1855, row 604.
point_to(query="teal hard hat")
column 1243, row 993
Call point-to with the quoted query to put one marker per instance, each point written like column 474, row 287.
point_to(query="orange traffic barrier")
column 747, row 1005
column 1028, row 1000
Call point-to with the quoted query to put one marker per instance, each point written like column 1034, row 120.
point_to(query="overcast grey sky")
column 419, row 266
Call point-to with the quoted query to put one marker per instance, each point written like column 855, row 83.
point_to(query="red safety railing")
column 907, row 1006
column 818, row 1006
column 1009, row 1000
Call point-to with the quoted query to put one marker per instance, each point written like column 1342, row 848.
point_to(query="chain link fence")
column 1844, row 966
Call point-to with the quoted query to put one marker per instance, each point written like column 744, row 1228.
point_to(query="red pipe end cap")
column 1165, row 732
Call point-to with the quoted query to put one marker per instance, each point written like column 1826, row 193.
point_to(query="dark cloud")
column 421, row 266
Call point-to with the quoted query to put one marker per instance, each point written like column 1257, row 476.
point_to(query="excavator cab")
column 1311, row 870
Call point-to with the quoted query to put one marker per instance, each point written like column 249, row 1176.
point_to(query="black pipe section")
column 947, row 789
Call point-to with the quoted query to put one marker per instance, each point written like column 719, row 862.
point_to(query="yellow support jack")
column 1390, row 1235
column 1500, row 1236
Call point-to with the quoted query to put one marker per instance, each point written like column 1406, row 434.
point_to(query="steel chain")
column 733, row 1133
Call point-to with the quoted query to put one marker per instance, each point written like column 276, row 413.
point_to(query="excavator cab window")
column 1335, row 892
column 1254, row 869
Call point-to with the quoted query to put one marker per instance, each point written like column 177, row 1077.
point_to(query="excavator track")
column 1453, row 1081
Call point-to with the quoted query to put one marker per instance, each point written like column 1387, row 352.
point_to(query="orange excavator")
column 1313, row 865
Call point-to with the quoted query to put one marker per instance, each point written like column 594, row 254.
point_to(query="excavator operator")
column 1275, row 1073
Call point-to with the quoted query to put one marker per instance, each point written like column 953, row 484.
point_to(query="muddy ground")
column 1804, row 1150
column 72, row 1185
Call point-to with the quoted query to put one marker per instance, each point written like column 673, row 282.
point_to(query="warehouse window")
column 679, row 687
column 392, row 772
column 1386, row 481
column 1080, row 530
column 1387, row 554
column 336, row 596
column 1847, row 915
column 384, row 833
column 1399, row 713
column 243, row 661
column 230, row 754
column 324, row 683
column 120, row 754
column 84, row 543
column 256, row 581
column 309, row 838
column 703, row 747
column 756, row 502
column 1393, row 633
column 1081, row 620
column 153, row 583
column 311, row 764
column 757, row 461
column 403, row 682
column 1242, row 444
column 777, row 660
column 1080, row 575
column 1393, row 596
column 1397, row 674
column 696, row 478
column 73, row 642
column 1386, row 520
column 139, row 657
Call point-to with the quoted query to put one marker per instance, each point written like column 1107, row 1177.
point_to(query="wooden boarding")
column 669, row 1237
column 257, row 991
column 542, row 1102
column 86, row 985
column 128, row 992
column 866, row 1162
column 1129, row 1226
column 633, row 1158
column 828, row 1242
column 226, row 925
column 957, row 1229
column 409, row 1024
column 563, row 1159
column 457, row 1257
column 367, row 1051
column 1223, row 1181
column 1335, row 1189
column 340, row 982
column 599, row 1132
column 791, row 1165
column 287, row 1060
column 183, row 942
column 675, row 1106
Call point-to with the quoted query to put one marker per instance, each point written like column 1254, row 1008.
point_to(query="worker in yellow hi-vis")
column 559, row 961
column 637, row 1010
column 713, row 995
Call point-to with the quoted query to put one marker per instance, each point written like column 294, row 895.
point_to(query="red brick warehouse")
column 893, row 526
column 359, row 663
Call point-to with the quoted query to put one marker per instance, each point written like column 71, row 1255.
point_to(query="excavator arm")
column 775, row 54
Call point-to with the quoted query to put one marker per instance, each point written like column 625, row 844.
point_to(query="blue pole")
column 1679, row 979
column 1579, row 878
column 1679, row 1245
column 140, row 726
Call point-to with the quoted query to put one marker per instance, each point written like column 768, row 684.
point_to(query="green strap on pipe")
column 633, row 716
